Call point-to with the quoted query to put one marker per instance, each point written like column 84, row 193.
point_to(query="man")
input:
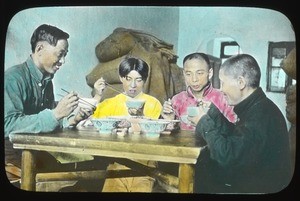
column 29, row 105
column 197, row 73
column 252, row 155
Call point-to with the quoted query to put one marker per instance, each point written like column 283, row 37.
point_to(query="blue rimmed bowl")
column 152, row 128
column 105, row 125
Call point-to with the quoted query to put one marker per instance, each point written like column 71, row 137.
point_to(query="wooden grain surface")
column 180, row 147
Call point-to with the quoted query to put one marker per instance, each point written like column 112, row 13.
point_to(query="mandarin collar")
column 206, row 90
column 251, row 100
column 35, row 72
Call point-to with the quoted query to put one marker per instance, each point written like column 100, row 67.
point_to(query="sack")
column 289, row 64
column 119, row 43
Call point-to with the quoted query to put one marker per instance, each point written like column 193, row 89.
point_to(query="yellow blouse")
column 116, row 106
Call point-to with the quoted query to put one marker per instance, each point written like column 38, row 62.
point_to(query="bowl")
column 172, row 126
column 87, row 103
column 135, row 103
column 105, row 125
column 153, row 127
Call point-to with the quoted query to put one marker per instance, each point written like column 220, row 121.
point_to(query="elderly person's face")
column 132, row 83
column 231, row 88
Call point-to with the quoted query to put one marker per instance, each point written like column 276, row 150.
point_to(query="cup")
column 192, row 111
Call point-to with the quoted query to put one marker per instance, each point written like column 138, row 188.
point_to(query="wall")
column 189, row 29
column 87, row 26
column 252, row 28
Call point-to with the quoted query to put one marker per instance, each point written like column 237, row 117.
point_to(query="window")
column 277, row 78
column 229, row 48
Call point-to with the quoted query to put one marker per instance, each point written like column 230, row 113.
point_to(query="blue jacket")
column 28, row 100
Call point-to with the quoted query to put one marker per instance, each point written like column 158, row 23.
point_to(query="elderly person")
column 252, row 155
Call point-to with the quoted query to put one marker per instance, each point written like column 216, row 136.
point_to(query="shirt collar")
column 35, row 72
column 206, row 90
column 251, row 100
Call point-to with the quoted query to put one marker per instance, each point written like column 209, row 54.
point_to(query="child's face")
column 132, row 83
column 196, row 74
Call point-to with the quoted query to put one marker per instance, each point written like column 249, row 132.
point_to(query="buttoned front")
column 28, row 99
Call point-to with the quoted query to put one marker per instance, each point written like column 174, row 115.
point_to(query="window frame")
column 277, row 51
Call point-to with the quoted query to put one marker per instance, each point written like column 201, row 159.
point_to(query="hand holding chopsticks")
column 66, row 106
column 81, row 100
column 69, row 103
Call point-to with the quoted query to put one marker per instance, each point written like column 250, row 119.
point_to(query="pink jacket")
column 182, row 100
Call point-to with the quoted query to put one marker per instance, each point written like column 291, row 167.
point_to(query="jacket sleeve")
column 15, row 120
column 233, row 145
column 215, row 128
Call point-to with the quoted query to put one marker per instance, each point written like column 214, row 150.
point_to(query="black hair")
column 130, row 63
column 199, row 56
column 47, row 33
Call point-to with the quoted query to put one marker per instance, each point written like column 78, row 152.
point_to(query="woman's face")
column 132, row 83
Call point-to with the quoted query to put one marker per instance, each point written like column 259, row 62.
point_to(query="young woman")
column 133, row 73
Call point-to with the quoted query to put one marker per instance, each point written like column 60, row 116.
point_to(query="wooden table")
column 181, row 147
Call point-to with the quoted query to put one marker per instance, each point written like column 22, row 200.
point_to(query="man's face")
column 132, row 83
column 230, row 88
column 196, row 74
column 51, row 58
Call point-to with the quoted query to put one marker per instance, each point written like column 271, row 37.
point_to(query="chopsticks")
column 82, row 100
column 113, row 88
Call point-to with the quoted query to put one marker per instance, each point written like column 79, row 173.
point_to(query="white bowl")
column 135, row 103
column 105, row 125
column 153, row 127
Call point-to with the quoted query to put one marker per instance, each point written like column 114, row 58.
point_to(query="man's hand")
column 83, row 113
column 168, row 111
column 66, row 105
column 203, row 108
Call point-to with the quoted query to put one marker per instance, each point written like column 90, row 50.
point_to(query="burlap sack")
column 122, row 40
column 119, row 43
column 291, row 104
column 165, row 77
column 289, row 64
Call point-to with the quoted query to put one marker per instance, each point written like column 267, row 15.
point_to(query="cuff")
column 65, row 121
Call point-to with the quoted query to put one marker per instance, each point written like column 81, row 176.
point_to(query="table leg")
column 186, row 178
column 28, row 171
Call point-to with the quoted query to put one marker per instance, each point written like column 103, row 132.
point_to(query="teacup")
column 192, row 111
column 135, row 103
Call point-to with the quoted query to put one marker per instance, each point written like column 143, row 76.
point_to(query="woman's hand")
column 136, row 112
column 99, row 87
